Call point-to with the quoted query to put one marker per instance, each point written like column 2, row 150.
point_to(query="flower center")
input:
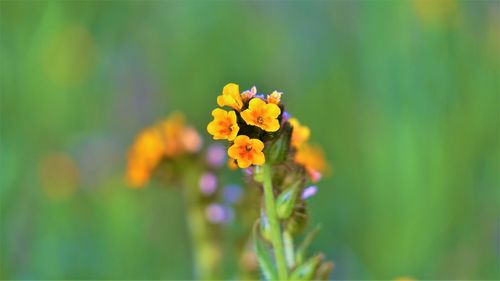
column 260, row 120
column 248, row 148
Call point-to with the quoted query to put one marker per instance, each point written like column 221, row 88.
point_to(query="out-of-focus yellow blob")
column 436, row 13
column 68, row 56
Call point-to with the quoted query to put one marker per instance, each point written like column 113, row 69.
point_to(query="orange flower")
column 313, row 160
column 274, row 97
column 230, row 97
column 145, row 154
column 300, row 134
column 171, row 130
column 167, row 139
column 247, row 151
column 263, row 115
column 224, row 125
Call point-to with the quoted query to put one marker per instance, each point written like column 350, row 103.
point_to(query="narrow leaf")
column 263, row 256
column 301, row 250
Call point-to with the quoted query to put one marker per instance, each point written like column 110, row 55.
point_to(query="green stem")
column 205, row 250
column 274, row 224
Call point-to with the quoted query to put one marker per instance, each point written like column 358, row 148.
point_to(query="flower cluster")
column 254, row 120
column 251, row 117
column 168, row 139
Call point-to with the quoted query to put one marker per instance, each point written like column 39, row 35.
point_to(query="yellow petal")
column 233, row 151
column 273, row 110
column 219, row 113
column 244, row 163
column 231, row 89
column 220, row 100
column 273, row 126
column 257, row 144
column 247, row 116
column 234, row 132
column 259, row 158
column 256, row 103
column 241, row 140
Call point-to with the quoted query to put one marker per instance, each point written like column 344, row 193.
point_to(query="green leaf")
column 307, row 270
column 277, row 150
column 263, row 255
column 301, row 250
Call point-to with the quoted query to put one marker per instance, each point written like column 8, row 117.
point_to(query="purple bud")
column 216, row 155
column 208, row 183
column 232, row 193
column 260, row 96
column 285, row 117
column 217, row 213
column 249, row 171
column 309, row 192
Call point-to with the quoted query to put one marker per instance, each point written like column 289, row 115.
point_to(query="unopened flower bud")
column 286, row 202
column 309, row 192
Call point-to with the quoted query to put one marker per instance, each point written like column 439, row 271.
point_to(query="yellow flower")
column 262, row 115
column 171, row 130
column 274, row 97
column 144, row 156
column 313, row 160
column 230, row 97
column 247, row 151
column 300, row 134
column 168, row 139
column 224, row 125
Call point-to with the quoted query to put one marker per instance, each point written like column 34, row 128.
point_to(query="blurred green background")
column 402, row 95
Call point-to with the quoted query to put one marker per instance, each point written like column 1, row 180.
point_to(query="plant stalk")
column 205, row 251
column 270, row 209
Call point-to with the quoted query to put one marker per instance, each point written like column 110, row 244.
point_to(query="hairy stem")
column 274, row 224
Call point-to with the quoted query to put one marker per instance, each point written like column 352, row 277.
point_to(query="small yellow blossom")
column 224, row 125
column 247, row 151
column 300, row 134
column 274, row 97
column 230, row 97
column 313, row 160
column 263, row 115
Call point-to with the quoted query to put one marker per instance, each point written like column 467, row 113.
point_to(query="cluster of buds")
column 273, row 149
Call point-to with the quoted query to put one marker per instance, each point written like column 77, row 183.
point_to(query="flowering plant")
column 172, row 152
column 272, row 148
